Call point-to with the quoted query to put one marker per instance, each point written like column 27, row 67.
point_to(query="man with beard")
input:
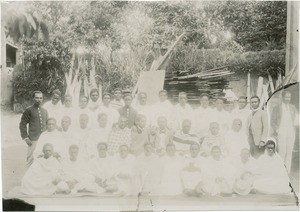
column 35, row 116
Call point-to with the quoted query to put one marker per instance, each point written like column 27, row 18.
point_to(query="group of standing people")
column 118, row 144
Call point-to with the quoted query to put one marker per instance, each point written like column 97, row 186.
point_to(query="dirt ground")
column 14, row 154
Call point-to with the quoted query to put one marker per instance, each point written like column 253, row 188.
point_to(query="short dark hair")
column 49, row 119
column 73, row 146
column 255, row 97
column 243, row 97
column 100, row 115
column 143, row 93
column 127, row 94
column 101, row 143
column 56, row 91
column 204, row 94
column 163, row 91
column 118, row 89
column 106, row 94
column 34, row 92
column 215, row 147
column 182, row 93
column 94, row 90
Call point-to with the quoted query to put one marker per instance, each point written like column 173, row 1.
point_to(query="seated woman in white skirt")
column 272, row 176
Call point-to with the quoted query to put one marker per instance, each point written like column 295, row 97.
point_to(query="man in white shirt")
column 242, row 112
column 54, row 106
column 221, row 115
column 163, row 108
column 182, row 110
column 203, row 115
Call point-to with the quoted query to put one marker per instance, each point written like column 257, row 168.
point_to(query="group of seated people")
column 125, row 148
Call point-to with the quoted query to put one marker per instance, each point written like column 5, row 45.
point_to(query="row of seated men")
column 170, row 174
column 87, row 138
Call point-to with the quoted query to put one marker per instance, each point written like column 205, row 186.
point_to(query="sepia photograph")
column 150, row 105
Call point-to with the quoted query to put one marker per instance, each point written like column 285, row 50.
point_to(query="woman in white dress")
column 272, row 176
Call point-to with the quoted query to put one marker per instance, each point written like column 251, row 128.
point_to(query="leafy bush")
column 45, row 64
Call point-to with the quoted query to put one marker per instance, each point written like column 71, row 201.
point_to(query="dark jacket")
column 36, row 117
column 130, row 114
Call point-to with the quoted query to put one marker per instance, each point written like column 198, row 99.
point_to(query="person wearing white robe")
column 126, row 173
column 218, row 174
column 236, row 140
column 203, row 115
column 68, row 109
column 191, row 174
column 242, row 112
column 43, row 175
column 67, row 131
column 102, row 168
column 143, row 108
column 172, row 165
column 75, row 177
column 214, row 138
column 54, row 137
column 112, row 114
column 94, row 102
column 272, row 174
column 182, row 111
column 81, row 134
column 163, row 108
column 149, row 167
column 245, row 172
column 54, row 106
column 84, row 109
column 283, row 120
column 184, row 138
column 94, row 136
column 221, row 116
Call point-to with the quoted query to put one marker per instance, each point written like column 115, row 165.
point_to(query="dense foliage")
column 45, row 64
column 125, row 38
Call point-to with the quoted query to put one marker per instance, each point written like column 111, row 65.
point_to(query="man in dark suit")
column 35, row 117
column 258, row 128
column 127, row 111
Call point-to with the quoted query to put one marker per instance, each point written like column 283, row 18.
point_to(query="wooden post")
column 271, row 83
column 248, row 87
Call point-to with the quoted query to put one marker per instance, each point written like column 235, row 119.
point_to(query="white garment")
column 145, row 110
column 163, row 109
column 235, row 142
column 170, row 179
column 224, row 120
column 218, row 169
column 182, row 113
column 112, row 115
column 149, row 168
column 54, row 111
column 286, row 136
column 103, row 168
column 126, row 175
column 243, row 115
column 92, row 138
column 272, row 175
column 55, row 138
column 202, row 118
column 38, row 180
